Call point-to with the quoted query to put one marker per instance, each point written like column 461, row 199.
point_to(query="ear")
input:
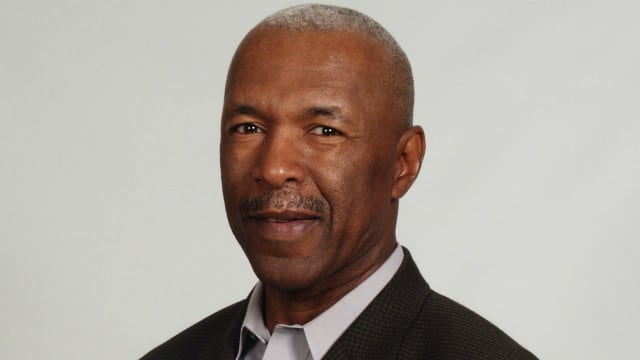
column 409, row 154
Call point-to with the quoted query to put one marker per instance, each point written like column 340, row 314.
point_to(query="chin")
column 286, row 274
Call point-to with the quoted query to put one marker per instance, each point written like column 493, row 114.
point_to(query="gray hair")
column 317, row 17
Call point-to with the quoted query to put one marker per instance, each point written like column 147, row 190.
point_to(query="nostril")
column 277, row 172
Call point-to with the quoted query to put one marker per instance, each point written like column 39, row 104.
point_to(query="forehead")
column 310, row 47
column 272, row 59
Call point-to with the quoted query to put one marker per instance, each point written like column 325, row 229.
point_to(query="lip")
column 287, row 224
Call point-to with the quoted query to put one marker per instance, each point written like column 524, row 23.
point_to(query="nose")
column 280, row 160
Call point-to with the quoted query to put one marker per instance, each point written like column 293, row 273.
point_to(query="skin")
column 313, row 162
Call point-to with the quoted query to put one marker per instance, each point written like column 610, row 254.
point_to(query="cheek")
column 235, row 165
column 354, row 186
column 233, row 171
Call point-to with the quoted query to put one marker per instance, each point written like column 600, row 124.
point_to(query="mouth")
column 282, row 215
column 276, row 224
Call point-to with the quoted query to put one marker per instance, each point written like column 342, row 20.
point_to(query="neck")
column 283, row 306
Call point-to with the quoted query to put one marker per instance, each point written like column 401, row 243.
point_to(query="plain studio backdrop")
column 113, row 235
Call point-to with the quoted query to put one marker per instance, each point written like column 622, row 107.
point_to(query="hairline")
column 329, row 18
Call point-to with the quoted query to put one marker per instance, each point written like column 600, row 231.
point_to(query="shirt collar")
column 327, row 327
column 253, row 323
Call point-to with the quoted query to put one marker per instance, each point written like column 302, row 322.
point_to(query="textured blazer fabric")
column 407, row 320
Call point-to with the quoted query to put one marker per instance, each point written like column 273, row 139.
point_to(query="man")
column 317, row 148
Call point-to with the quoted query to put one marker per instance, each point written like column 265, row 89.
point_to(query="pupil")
column 327, row 131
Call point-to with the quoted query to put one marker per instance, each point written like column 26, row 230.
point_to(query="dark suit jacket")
column 407, row 320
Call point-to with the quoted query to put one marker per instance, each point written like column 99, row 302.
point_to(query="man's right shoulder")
column 211, row 334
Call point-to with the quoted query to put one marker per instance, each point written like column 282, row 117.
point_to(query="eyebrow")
column 242, row 109
column 329, row 112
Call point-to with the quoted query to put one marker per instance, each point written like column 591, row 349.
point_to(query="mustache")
column 282, row 199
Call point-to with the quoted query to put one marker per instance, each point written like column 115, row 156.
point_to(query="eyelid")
column 240, row 128
column 319, row 130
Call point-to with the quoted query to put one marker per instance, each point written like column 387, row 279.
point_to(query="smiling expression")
column 309, row 157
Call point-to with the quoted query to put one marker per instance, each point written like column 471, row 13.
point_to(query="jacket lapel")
column 224, row 346
column 378, row 332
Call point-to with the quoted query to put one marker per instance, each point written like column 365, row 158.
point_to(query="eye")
column 322, row 130
column 246, row 128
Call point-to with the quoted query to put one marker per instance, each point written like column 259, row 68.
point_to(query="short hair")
column 317, row 17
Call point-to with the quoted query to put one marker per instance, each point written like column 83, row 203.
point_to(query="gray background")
column 112, row 229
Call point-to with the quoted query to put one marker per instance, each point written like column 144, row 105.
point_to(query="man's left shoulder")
column 456, row 332
column 409, row 320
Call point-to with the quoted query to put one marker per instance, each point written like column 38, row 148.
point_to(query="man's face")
column 308, row 157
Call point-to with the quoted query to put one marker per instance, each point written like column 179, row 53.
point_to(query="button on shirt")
column 313, row 339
